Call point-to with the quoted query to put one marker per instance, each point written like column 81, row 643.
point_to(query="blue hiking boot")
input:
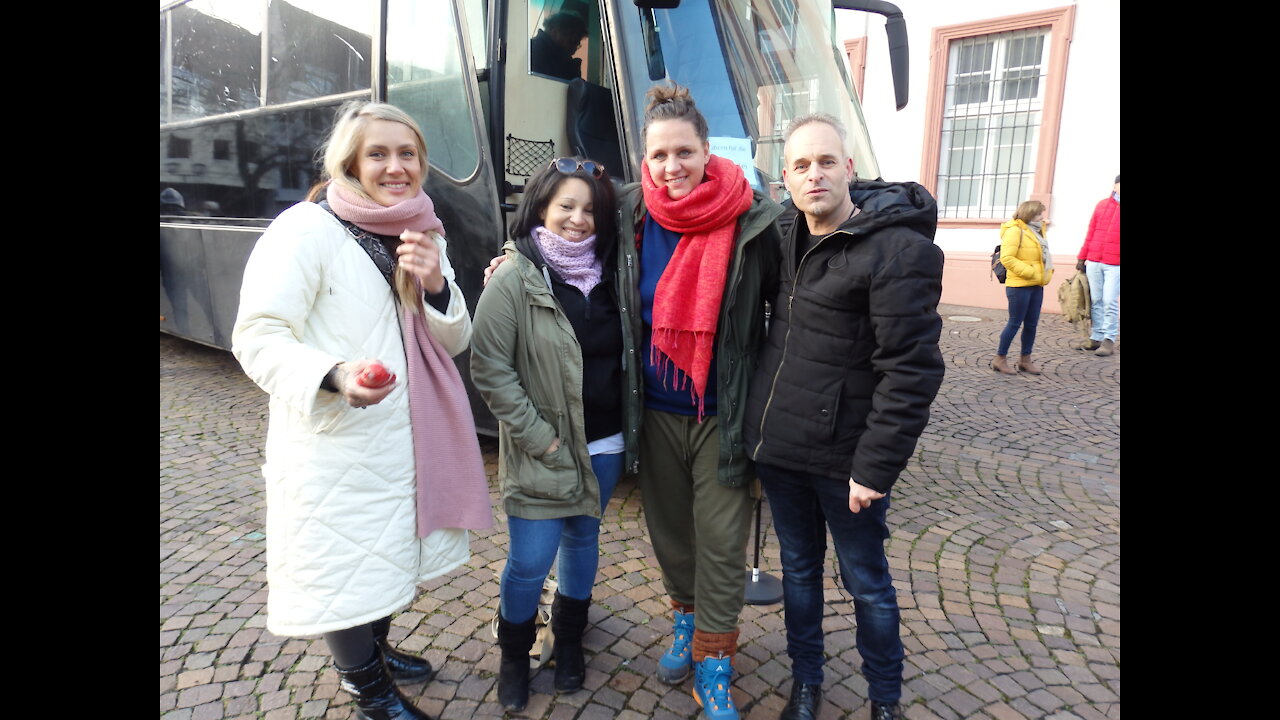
column 711, row 688
column 677, row 662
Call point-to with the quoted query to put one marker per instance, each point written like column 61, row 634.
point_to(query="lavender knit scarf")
column 576, row 262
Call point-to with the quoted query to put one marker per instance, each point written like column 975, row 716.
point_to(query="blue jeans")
column 803, row 507
column 1024, row 310
column 535, row 544
column 1104, row 290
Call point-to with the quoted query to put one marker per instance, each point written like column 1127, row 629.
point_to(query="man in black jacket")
column 841, row 395
column 551, row 50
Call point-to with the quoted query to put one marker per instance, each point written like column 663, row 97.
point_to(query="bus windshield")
column 777, row 59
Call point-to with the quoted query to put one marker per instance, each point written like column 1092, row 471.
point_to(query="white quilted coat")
column 341, row 543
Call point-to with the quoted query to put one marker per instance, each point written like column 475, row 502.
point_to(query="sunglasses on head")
column 568, row 166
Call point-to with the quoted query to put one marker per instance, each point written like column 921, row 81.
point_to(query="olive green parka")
column 527, row 365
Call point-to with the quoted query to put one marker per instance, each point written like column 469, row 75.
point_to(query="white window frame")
column 1036, row 178
column 994, row 171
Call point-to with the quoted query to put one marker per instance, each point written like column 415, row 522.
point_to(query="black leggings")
column 353, row 647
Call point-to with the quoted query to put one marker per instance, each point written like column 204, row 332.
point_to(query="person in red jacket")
column 1099, row 259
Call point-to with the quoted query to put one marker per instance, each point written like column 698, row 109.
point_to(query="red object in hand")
column 375, row 376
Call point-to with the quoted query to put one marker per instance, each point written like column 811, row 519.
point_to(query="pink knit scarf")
column 451, row 488
column 576, row 262
column 417, row 213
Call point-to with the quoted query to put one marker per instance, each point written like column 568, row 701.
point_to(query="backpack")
column 1074, row 298
column 997, row 267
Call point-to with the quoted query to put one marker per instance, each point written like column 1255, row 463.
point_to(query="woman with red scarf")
column 704, row 262
column 349, row 319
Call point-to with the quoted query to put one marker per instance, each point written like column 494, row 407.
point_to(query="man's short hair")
column 567, row 23
column 1117, row 179
column 821, row 117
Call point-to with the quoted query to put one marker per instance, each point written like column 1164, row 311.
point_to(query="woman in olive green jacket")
column 548, row 346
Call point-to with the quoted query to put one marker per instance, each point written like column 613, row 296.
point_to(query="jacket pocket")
column 825, row 407
column 552, row 476
column 855, row 405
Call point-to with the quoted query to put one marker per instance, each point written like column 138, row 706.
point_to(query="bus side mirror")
column 896, row 28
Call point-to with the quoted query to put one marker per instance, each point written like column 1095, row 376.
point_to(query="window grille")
column 991, row 122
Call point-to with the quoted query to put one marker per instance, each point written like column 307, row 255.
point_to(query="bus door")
column 431, row 73
column 557, row 91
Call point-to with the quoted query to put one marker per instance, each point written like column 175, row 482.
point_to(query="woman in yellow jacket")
column 1025, row 254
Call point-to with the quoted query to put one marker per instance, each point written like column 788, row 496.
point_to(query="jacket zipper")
column 555, row 303
column 631, row 283
column 736, row 276
column 786, row 341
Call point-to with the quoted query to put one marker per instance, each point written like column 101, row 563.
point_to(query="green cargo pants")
column 697, row 526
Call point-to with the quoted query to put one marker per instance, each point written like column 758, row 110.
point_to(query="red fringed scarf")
column 686, row 303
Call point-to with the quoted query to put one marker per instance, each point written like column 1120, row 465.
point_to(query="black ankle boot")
column 404, row 668
column 568, row 620
column 376, row 695
column 804, row 703
column 885, row 711
column 515, row 640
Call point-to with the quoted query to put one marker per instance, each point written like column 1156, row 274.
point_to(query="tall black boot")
column 515, row 640
column 404, row 668
column 568, row 620
column 376, row 695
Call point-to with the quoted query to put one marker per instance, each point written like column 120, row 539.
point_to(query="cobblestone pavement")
column 1005, row 550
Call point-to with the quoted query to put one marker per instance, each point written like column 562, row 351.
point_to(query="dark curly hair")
column 542, row 187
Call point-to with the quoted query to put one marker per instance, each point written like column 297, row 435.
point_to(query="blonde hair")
column 340, row 152
column 343, row 145
column 1028, row 210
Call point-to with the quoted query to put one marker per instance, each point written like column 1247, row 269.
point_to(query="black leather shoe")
column 804, row 702
column 885, row 711
column 376, row 695
column 404, row 668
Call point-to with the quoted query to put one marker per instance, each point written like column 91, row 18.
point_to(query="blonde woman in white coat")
column 357, row 279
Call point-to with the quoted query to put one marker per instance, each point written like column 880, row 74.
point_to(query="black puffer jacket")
column 852, row 364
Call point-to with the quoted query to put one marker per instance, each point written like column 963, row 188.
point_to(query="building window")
column 179, row 147
column 855, row 52
column 995, row 99
column 990, row 123
column 221, row 149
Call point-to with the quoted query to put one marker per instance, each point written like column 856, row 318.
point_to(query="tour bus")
column 249, row 90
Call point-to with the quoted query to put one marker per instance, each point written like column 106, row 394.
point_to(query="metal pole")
column 762, row 588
